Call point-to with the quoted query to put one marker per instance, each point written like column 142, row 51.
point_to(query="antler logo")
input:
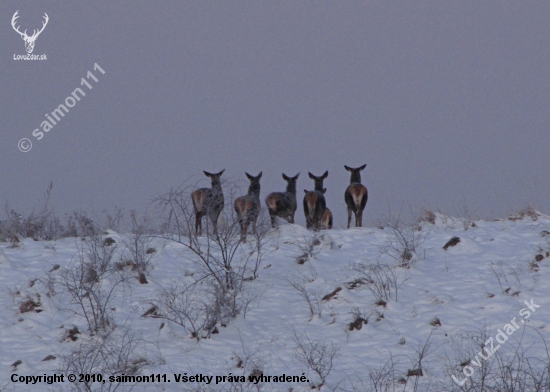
column 29, row 41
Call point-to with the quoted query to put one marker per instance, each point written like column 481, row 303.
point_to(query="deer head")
column 29, row 41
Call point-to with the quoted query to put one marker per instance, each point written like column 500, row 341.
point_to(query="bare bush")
column 251, row 364
column 381, row 279
column 503, row 273
column 317, row 356
column 220, row 263
column 41, row 224
column 403, row 243
column 384, row 378
column 138, row 250
column 493, row 367
column 79, row 224
column 312, row 299
column 309, row 246
column 195, row 308
column 259, row 248
column 520, row 372
column 115, row 353
column 526, row 212
column 92, row 282
column 417, row 371
column 114, row 220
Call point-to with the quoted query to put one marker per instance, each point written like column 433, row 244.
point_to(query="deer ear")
column 220, row 173
column 249, row 176
column 325, row 175
column 259, row 176
column 207, row 174
column 285, row 177
column 311, row 176
column 324, row 190
column 347, row 168
column 362, row 167
column 305, row 190
column 296, row 176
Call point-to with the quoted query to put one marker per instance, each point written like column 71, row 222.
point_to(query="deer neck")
column 291, row 188
column 254, row 190
column 217, row 186
column 355, row 177
column 319, row 186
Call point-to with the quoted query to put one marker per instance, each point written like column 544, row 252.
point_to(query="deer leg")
column 349, row 216
column 244, row 230
column 319, row 218
column 272, row 218
column 245, row 227
column 198, row 224
column 254, row 226
column 215, row 224
column 241, row 227
column 362, row 208
column 214, row 217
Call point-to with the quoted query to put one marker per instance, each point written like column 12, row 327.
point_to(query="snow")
column 459, row 286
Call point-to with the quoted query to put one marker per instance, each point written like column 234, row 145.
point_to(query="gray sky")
column 446, row 101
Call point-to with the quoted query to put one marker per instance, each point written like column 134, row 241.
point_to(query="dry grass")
column 526, row 212
column 29, row 305
column 427, row 216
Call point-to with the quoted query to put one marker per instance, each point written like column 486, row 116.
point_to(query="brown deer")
column 208, row 201
column 326, row 220
column 315, row 205
column 283, row 204
column 248, row 207
column 356, row 195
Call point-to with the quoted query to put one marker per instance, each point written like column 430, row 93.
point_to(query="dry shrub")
column 29, row 305
column 435, row 322
column 452, row 242
column 357, row 323
column 427, row 216
column 526, row 212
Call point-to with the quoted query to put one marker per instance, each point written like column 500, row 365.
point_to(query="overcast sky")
column 447, row 102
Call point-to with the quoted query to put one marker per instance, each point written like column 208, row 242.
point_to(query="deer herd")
column 210, row 202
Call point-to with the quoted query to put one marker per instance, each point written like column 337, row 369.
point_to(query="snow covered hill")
column 365, row 309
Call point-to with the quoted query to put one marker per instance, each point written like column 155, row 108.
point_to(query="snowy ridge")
column 482, row 282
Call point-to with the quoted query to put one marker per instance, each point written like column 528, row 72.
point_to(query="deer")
column 317, row 214
column 326, row 220
column 208, row 201
column 29, row 41
column 283, row 204
column 356, row 195
column 248, row 207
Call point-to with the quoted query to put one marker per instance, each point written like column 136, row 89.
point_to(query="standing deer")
column 283, row 204
column 208, row 201
column 248, row 207
column 317, row 215
column 29, row 41
column 356, row 195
